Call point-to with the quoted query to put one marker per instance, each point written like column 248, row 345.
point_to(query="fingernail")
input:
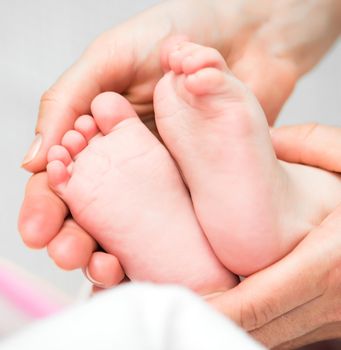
column 34, row 149
column 92, row 280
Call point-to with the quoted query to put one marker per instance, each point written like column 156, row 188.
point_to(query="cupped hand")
column 126, row 60
column 297, row 300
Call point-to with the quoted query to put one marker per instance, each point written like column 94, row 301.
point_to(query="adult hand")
column 297, row 300
column 256, row 40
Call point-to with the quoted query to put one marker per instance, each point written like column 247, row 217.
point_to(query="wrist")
column 301, row 32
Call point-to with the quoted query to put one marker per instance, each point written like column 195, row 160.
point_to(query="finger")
column 101, row 68
column 42, row 213
column 72, row 247
column 312, row 144
column 304, row 325
column 322, row 311
column 329, row 331
column 104, row 270
column 269, row 294
column 305, row 319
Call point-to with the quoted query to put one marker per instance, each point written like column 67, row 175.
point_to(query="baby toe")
column 169, row 46
column 109, row 109
column 58, row 152
column 74, row 142
column 57, row 175
column 203, row 57
column 178, row 53
column 206, row 81
column 86, row 125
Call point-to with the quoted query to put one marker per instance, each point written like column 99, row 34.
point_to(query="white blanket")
column 135, row 317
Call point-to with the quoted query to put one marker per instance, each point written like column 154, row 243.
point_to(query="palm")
column 139, row 65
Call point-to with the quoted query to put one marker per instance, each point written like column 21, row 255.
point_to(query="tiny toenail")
column 34, row 149
column 92, row 280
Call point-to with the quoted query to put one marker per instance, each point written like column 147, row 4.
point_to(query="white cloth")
column 135, row 317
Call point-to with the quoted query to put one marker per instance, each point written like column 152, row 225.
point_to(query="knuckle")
column 255, row 315
column 307, row 133
column 310, row 129
column 49, row 96
column 49, row 101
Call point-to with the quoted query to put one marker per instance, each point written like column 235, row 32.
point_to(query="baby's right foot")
column 123, row 187
column 253, row 208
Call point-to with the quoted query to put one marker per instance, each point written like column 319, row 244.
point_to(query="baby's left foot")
column 124, row 189
column 253, row 208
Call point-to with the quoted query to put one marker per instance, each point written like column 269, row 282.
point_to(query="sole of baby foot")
column 123, row 187
column 249, row 204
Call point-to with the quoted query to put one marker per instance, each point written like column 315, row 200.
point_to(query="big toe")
column 110, row 109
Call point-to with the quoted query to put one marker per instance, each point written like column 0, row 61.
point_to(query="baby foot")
column 123, row 187
column 253, row 208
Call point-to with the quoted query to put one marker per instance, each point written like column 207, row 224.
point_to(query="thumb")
column 291, row 282
column 312, row 144
column 99, row 69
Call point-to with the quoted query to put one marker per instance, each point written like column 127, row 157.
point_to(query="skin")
column 257, row 42
column 218, row 135
column 282, row 317
column 263, row 39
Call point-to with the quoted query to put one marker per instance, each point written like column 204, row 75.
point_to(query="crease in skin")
column 328, row 332
column 320, row 293
column 258, row 329
column 304, row 139
column 66, row 105
column 151, row 149
column 264, row 334
column 156, row 147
